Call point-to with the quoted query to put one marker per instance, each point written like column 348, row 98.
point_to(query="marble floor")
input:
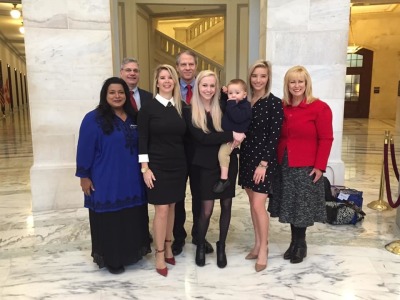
column 46, row 255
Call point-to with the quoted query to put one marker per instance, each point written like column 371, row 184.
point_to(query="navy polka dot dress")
column 261, row 142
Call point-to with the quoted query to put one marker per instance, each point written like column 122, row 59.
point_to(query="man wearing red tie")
column 130, row 73
column 186, row 64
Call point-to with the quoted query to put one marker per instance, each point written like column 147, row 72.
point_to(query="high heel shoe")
column 170, row 260
column 251, row 256
column 260, row 267
column 164, row 271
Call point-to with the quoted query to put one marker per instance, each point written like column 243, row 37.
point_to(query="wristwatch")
column 144, row 170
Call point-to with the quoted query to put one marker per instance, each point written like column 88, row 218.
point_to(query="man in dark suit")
column 186, row 65
column 130, row 73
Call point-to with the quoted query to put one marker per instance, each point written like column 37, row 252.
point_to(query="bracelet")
column 262, row 166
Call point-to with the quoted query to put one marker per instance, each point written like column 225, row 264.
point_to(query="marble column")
column 313, row 34
column 68, row 56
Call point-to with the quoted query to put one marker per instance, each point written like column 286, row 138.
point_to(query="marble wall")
column 68, row 56
column 313, row 34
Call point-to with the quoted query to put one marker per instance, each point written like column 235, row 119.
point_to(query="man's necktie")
column 133, row 101
column 189, row 93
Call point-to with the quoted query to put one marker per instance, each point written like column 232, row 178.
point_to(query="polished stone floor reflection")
column 46, row 255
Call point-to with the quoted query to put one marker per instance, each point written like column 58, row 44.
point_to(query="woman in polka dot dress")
column 258, row 155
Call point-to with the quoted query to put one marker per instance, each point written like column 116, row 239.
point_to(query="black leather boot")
column 221, row 255
column 299, row 251
column 201, row 255
column 289, row 252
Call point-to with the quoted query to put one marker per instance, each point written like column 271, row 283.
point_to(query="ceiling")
column 10, row 35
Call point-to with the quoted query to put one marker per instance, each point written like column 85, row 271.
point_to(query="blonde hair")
column 265, row 65
column 297, row 72
column 199, row 118
column 176, row 93
column 238, row 82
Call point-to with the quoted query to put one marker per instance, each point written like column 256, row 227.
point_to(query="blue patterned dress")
column 118, row 206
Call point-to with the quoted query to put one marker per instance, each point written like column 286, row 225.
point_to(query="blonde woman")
column 258, row 155
column 303, row 152
column 162, row 156
column 203, row 119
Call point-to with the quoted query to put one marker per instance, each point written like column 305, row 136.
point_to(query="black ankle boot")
column 221, row 255
column 299, row 251
column 289, row 252
column 201, row 255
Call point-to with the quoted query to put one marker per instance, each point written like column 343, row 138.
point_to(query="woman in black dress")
column 258, row 155
column 203, row 119
column 161, row 152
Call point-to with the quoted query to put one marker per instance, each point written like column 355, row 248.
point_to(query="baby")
column 237, row 117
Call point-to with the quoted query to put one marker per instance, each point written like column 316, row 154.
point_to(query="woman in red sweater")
column 303, row 152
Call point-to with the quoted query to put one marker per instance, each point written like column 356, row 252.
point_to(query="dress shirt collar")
column 183, row 83
column 164, row 101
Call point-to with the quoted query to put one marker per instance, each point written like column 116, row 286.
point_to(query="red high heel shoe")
column 164, row 271
column 170, row 260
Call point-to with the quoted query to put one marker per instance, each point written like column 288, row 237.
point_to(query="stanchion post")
column 379, row 204
column 393, row 247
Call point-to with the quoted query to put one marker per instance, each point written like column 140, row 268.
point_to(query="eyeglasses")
column 131, row 70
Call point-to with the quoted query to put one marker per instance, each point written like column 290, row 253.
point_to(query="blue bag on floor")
column 351, row 195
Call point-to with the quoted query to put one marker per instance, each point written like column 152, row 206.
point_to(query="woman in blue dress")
column 107, row 164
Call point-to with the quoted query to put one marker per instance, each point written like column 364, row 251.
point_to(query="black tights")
column 207, row 207
column 298, row 232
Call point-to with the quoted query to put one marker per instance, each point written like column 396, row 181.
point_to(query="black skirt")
column 169, row 186
column 119, row 238
column 202, row 181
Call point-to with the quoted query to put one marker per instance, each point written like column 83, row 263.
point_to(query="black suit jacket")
column 144, row 96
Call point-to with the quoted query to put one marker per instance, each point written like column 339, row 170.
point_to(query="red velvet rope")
column 394, row 163
column 387, row 181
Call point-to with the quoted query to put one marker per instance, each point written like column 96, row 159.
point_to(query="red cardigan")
column 306, row 134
